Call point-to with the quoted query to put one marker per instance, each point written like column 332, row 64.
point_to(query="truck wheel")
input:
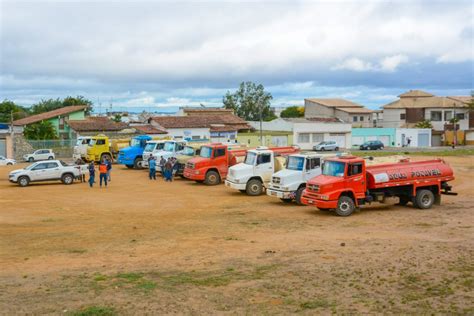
column 287, row 200
column 67, row 178
column 30, row 159
column 23, row 181
column 254, row 187
column 50, row 158
column 212, row 178
column 298, row 195
column 424, row 199
column 345, row 206
column 137, row 164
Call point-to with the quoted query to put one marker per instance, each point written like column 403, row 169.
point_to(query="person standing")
column 109, row 169
column 162, row 166
column 91, row 174
column 152, row 165
column 168, row 170
column 103, row 173
column 408, row 141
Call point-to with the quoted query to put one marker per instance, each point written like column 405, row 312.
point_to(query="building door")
column 340, row 139
column 3, row 148
column 423, row 140
column 279, row 141
column 435, row 140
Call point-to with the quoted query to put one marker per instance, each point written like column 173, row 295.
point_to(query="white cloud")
column 355, row 64
column 386, row 64
column 390, row 64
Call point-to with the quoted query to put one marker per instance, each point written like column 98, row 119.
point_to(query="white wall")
column 391, row 118
column 439, row 125
column 413, row 134
column 321, row 128
column 189, row 132
column 275, row 125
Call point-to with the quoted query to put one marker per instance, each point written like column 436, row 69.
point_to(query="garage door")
column 384, row 139
column 279, row 141
column 340, row 139
column 436, row 140
column 423, row 140
column 3, row 148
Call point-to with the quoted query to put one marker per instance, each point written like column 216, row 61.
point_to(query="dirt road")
column 150, row 247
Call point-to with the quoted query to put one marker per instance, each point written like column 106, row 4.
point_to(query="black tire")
column 30, row 159
column 424, row 199
column 50, row 158
column 403, row 200
column 287, row 200
column 23, row 181
column 298, row 195
column 336, row 149
column 136, row 163
column 254, row 187
column 129, row 166
column 67, row 178
column 345, row 206
column 212, row 178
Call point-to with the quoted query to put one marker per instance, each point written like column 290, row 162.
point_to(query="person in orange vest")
column 103, row 172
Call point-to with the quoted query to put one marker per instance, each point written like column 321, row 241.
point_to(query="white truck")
column 80, row 149
column 165, row 149
column 45, row 171
column 254, row 174
column 288, row 184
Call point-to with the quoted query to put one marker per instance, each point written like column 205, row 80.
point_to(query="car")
column 6, row 162
column 40, row 154
column 45, row 171
column 326, row 145
column 371, row 145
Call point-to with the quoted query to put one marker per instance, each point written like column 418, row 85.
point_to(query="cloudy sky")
column 155, row 54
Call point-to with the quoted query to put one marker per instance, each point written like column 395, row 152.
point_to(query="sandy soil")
column 150, row 247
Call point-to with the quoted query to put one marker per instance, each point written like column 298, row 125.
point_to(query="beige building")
column 345, row 110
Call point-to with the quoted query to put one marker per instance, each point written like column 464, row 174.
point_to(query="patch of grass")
column 147, row 285
column 197, row 279
column 231, row 238
column 95, row 311
column 469, row 283
column 77, row 251
column 319, row 303
column 130, row 277
column 100, row 277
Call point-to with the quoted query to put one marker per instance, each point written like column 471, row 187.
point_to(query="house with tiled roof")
column 58, row 118
column 345, row 110
column 94, row 125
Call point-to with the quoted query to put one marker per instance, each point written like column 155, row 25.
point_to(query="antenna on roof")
column 202, row 105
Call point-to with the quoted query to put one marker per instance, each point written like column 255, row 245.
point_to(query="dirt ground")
column 150, row 247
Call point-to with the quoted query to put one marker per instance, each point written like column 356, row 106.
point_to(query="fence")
column 62, row 148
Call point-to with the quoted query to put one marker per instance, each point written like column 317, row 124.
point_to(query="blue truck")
column 133, row 155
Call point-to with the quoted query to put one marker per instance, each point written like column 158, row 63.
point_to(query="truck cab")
column 190, row 151
column 133, row 155
column 213, row 163
column 255, row 173
column 288, row 184
column 99, row 148
column 80, row 149
column 170, row 148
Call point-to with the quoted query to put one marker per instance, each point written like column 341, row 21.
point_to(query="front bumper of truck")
column 315, row 199
column 194, row 174
column 281, row 194
column 235, row 185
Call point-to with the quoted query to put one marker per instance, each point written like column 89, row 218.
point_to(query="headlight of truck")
column 324, row 197
column 196, row 171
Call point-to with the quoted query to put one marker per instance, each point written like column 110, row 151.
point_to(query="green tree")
column 39, row 131
column 293, row 111
column 53, row 104
column 424, row 124
column 117, row 118
column 7, row 107
column 79, row 100
column 249, row 101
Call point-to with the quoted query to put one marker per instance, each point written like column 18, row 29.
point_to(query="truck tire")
column 23, row 181
column 424, row 199
column 137, row 164
column 212, row 178
column 67, row 178
column 254, row 187
column 298, row 195
column 345, row 206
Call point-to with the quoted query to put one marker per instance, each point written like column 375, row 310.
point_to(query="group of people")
column 168, row 167
column 105, row 168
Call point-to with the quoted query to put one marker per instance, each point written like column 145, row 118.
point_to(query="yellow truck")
column 101, row 147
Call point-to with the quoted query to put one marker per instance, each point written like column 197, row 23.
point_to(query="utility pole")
column 261, row 132
column 12, row 135
column 455, row 136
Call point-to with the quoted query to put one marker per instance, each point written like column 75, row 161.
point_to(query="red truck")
column 212, row 165
column 346, row 183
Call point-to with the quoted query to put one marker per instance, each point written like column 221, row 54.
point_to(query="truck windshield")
column 295, row 163
column 150, row 147
column 250, row 158
column 92, row 142
column 188, row 151
column 334, row 168
column 206, row 152
column 169, row 146
column 135, row 142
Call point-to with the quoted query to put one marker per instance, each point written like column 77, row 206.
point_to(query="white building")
column 345, row 110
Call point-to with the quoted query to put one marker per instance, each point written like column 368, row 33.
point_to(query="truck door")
column 52, row 170
column 220, row 161
column 39, row 172
column 312, row 168
column 264, row 166
column 356, row 179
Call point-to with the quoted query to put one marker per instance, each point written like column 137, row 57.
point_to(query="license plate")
column 273, row 193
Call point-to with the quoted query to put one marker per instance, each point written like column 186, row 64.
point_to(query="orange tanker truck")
column 213, row 163
column 346, row 183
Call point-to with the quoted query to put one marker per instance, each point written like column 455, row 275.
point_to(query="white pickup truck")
column 252, row 175
column 80, row 149
column 46, row 171
column 288, row 184
column 170, row 148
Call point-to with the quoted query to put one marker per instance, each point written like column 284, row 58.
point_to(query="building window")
column 448, row 115
column 436, row 116
column 403, row 116
column 354, row 119
column 460, row 116
column 303, row 138
column 369, row 118
column 61, row 123
column 317, row 137
column 361, row 118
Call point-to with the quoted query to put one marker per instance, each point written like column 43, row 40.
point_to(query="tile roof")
column 426, row 102
column 355, row 110
column 335, row 103
column 149, row 129
column 47, row 115
column 314, row 120
column 200, row 121
column 96, row 123
column 415, row 94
